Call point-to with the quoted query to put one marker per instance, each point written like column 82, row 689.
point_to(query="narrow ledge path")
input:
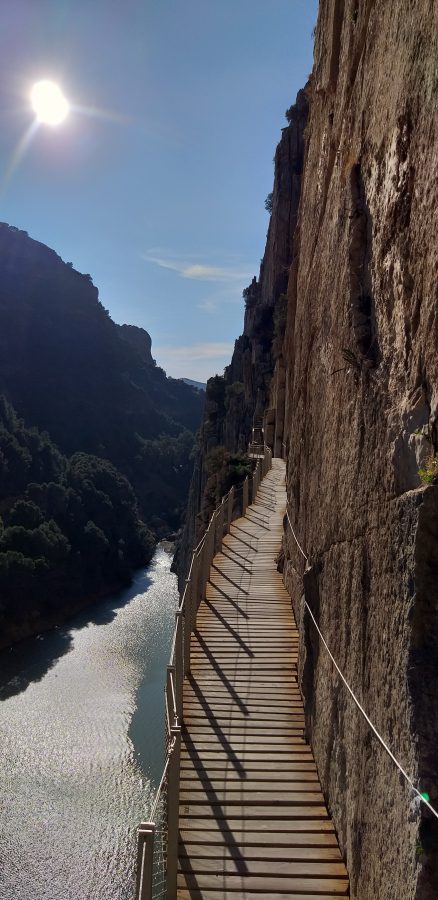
column 252, row 818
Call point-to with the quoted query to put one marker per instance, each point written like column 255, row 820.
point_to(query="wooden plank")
column 243, row 725
column 258, row 852
column 219, row 759
column 227, row 865
column 286, row 769
column 257, row 781
column 262, row 838
column 285, row 701
column 245, row 894
column 331, row 887
column 209, row 742
column 286, row 697
column 257, row 713
column 231, row 811
column 286, row 694
column 233, row 796
column 256, row 720
column 281, row 828
column 222, row 700
column 259, row 681
column 250, row 763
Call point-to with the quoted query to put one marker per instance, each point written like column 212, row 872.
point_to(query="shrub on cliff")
column 250, row 295
column 224, row 469
column 216, row 389
column 429, row 474
column 234, row 394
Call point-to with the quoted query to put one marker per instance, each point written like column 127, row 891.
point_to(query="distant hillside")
column 95, row 440
column 199, row 385
column 68, row 368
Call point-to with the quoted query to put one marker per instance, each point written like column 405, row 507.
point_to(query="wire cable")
column 418, row 793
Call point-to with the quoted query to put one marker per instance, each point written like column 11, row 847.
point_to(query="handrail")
column 164, row 868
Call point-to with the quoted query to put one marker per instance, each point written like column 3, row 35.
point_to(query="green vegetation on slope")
column 69, row 527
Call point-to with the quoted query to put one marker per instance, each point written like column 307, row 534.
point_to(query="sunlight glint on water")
column 81, row 738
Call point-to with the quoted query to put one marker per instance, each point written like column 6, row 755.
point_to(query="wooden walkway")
column 253, row 822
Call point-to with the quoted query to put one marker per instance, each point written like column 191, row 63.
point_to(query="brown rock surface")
column 361, row 415
column 351, row 399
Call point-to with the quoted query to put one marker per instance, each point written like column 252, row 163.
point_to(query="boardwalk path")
column 253, row 823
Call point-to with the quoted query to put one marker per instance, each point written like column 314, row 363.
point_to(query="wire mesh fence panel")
column 158, row 838
column 159, row 869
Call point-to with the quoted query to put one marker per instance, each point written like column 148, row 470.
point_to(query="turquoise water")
column 81, row 744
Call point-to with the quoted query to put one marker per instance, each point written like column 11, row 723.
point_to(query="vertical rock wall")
column 350, row 398
column 233, row 400
column 361, row 416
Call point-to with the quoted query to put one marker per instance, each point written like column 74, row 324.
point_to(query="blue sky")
column 156, row 182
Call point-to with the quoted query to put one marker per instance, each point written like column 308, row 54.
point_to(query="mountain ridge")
column 95, row 441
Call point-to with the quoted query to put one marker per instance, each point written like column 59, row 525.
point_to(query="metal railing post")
column 219, row 530
column 173, row 813
column 216, row 544
column 210, row 546
column 245, row 495
column 199, row 561
column 145, row 860
column 171, row 694
column 225, row 506
column 204, row 564
column 230, row 504
column 179, row 663
column 188, row 611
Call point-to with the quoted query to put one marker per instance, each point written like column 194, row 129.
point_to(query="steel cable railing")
column 421, row 796
column 157, row 845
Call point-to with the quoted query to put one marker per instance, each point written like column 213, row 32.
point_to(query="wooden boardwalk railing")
column 252, row 822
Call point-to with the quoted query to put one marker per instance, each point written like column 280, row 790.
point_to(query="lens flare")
column 49, row 103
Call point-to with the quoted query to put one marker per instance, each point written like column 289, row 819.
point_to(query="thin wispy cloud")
column 210, row 305
column 207, row 350
column 198, row 361
column 199, row 271
column 213, row 303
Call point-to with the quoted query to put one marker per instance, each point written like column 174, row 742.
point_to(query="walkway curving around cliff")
column 252, row 818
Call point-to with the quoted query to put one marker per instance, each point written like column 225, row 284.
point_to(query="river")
column 81, row 744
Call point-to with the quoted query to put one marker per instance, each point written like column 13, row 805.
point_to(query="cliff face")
column 233, row 400
column 139, row 340
column 350, row 398
column 361, row 417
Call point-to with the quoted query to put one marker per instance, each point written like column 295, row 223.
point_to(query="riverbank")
column 82, row 724
column 39, row 622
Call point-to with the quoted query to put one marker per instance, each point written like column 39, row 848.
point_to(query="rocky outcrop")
column 139, row 340
column 360, row 417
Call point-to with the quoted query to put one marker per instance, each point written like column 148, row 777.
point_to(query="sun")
column 49, row 103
